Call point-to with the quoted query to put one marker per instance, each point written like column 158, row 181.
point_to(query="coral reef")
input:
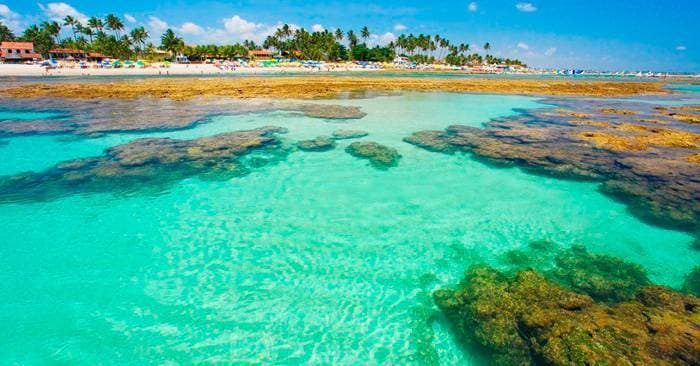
column 652, row 169
column 321, row 143
column 323, row 87
column 379, row 156
column 430, row 140
column 142, row 164
column 526, row 319
column 90, row 117
column 330, row 111
column 691, row 284
column 602, row 277
column 348, row 134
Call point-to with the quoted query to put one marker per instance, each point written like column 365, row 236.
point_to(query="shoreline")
column 326, row 86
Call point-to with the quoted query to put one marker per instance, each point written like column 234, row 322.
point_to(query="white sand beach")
column 173, row 69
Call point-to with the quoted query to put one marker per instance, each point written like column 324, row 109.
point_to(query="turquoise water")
column 317, row 259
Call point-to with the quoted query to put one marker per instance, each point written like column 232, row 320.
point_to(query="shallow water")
column 318, row 258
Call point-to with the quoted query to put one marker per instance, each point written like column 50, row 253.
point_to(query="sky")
column 588, row 34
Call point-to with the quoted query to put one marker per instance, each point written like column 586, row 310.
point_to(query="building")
column 71, row 54
column 260, row 54
column 18, row 52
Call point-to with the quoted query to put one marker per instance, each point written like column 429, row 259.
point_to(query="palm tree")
column 114, row 23
column 338, row 35
column 53, row 29
column 6, row 33
column 352, row 39
column 96, row 24
column 86, row 31
column 487, row 46
column 138, row 37
column 170, row 42
column 71, row 22
column 365, row 33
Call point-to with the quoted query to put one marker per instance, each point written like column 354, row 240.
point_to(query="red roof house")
column 18, row 52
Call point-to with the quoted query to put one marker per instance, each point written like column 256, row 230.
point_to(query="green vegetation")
column 6, row 33
column 109, row 37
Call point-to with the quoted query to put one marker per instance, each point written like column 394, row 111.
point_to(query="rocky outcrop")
column 98, row 116
column 141, row 164
column 321, row 143
column 525, row 320
column 379, row 156
column 348, row 134
column 646, row 166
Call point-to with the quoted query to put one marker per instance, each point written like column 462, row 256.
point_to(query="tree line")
column 108, row 36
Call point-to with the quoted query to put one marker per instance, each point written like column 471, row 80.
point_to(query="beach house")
column 15, row 52
column 71, row 54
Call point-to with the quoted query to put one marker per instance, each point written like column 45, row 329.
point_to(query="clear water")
column 318, row 259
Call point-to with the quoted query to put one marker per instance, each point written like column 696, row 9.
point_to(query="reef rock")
column 321, row 143
column 141, row 163
column 348, row 134
column 379, row 156
column 602, row 277
column 691, row 284
column 526, row 320
column 430, row 140
column 652, row 169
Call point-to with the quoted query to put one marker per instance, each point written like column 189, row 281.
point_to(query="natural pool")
column 316, row 258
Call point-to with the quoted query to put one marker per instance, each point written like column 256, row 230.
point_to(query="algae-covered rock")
column 348, row 134
column 526, row 319
column 603, row 277
column 321, row 143
column 380, row 156
column 430, row 140
column 143, row 164
column 692, row 282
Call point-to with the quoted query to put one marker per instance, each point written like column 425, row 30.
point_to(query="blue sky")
column 596, row 34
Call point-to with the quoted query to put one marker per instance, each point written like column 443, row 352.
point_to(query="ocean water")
column 318, row 258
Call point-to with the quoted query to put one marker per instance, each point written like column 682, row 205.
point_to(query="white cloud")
column 6, row 13
column 9, row 18
column 157, row 26
column 550, row 51
column 191, row 28
column 239, row 29
column 382, row 39
column 473, row 6
column 58, row 11
column 129, row 18
column 523, row 46
column 400, row 27
column 317, row 28
column 681, row 48
column 526, row 7
column 238, row 25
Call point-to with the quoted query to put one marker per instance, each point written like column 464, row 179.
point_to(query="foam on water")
column 318, row 259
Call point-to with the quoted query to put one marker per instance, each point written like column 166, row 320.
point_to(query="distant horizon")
column 634, row 36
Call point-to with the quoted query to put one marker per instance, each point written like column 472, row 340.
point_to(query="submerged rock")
column 651, row 169
column 526, row 319
column 379, row 156
column 95, row 116
column 691, row 284
column 140, row 164
column 348, row 134
column 330, row 111
column 430, row 140
column 602, row 277
column 321, row 143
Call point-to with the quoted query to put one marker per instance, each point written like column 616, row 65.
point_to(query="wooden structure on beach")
column 71, row 54
column 18, row 52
